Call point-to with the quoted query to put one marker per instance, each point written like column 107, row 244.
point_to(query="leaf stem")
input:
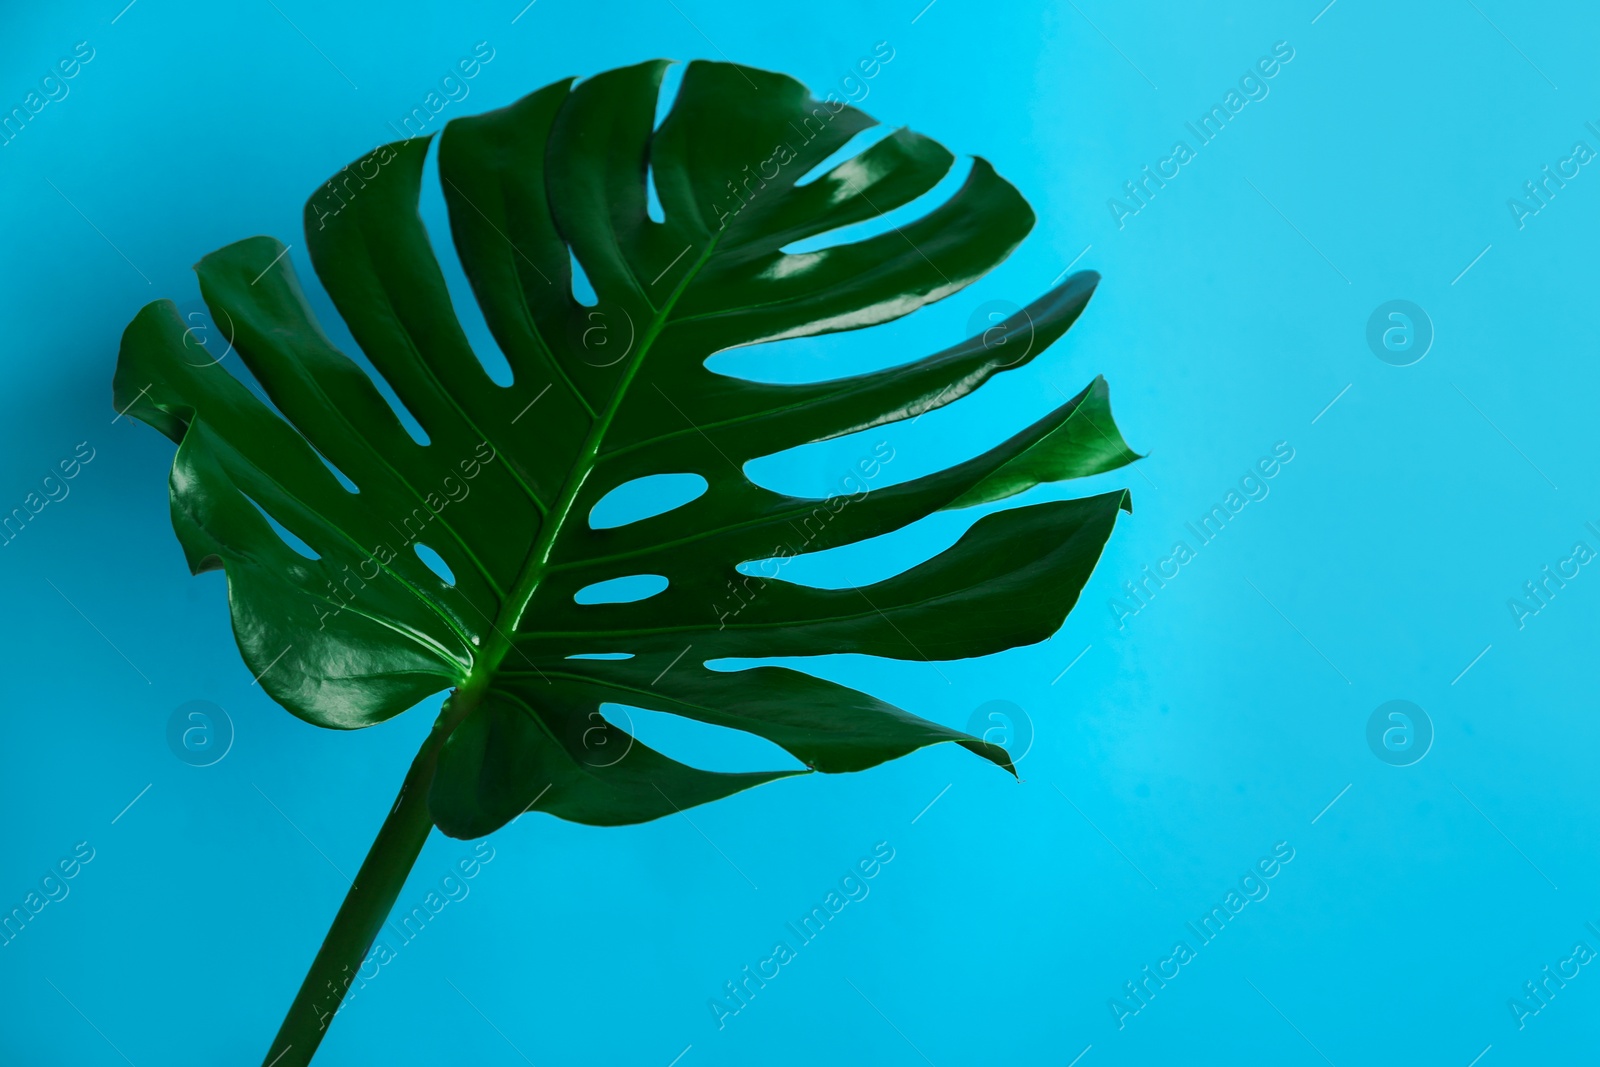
column 366, row 907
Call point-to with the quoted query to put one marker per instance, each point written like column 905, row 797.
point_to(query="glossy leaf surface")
column 602, row 395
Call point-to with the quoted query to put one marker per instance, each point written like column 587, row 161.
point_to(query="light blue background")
column 1173, row 754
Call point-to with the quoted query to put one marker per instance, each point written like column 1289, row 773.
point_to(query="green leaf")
column 603, row 395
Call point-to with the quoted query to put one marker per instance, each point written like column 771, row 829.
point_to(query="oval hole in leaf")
column 643, row 498
column 699, row 744
column 601, row 655
column 408, row 420
column 652, row 201
column 349, row 486
column 621, row 590
column 299, row 546
column 435, row 563
column 582, row 291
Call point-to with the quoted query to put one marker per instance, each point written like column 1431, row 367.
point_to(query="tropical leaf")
column 605, row 394
column 367, row 571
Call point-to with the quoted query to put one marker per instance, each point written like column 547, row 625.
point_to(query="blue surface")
column 1184, row 744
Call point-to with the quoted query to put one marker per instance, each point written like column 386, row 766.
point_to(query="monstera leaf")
column 604, row 394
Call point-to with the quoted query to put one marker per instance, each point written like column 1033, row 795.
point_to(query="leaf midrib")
column 509, row 617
